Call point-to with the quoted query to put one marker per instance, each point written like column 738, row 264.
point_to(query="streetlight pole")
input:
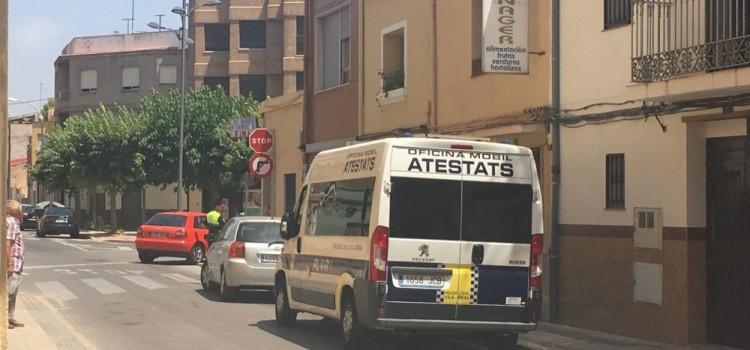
column 183, row 49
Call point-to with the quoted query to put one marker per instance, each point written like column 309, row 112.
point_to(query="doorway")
column 728, row 241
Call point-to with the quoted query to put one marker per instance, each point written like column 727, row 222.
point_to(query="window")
column 615, row 178
column 88, row 81
column 227, row 232
column 340, row 208
column 300, row 35
column 166, row 220
column 647, row 225
column 477, row 27
column 393, row 59
column 616, row 13
column 453, row 210
column 253, row 34
column 213, row 82
column 199, row 222
column 253, row 86
column 259, row 232
column 290, row 191
column 335, row 57
column 300, row 81
column 216, row 36
column 131, row 78
column 167, row 74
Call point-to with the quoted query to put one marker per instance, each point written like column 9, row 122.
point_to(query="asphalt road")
column 87, row 294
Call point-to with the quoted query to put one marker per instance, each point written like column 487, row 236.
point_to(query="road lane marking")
column 115, row 272
column 73, row 265
column 125, row 248
column 144, row 282
column 66, row 271
column 54, row 325
column 89, row 271
column 180, row 278
column 55, row 290
column 103, row 286
column 135, row 272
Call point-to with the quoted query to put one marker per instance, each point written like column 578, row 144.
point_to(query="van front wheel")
column 285, row 316
column 353, row 334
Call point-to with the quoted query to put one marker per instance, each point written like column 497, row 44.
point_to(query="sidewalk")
column 46, row 329
column 124, row 237
column 554, row 336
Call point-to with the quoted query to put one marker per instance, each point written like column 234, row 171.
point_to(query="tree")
column 100, row 150
column 213, row 161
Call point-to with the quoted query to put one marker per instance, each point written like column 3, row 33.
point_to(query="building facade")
column 248, row 47
column 111, row 70
column 655, row 153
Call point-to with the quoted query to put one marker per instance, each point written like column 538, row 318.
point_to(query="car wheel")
column 145, row 257
column 205, row 281
column 353, row 334
column 226, row 292
column 285, row 316
column 39, row 233
column 196, row 254
column 501, row 341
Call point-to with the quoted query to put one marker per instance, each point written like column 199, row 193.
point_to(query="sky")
column 40, row 29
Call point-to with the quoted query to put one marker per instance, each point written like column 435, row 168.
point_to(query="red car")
column 175, row 234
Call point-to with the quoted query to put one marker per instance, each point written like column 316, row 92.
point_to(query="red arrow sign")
column 261, row 165
column 261, row 140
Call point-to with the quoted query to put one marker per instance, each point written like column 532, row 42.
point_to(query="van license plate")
column 268, row 259
column 421, row 281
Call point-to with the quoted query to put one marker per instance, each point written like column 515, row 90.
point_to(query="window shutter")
column 168, row 74
column 88, row 80
column 131, row 78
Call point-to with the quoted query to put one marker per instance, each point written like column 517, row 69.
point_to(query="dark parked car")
column 57, row 220
column 29, row 218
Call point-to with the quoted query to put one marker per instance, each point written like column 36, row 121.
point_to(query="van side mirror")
column 289, row 228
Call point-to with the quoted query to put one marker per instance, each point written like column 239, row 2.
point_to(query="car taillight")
column 237, row 250
column 48, row 220
column 179, row 234
column 139, row 232
column 379, row 254
column 535, row 263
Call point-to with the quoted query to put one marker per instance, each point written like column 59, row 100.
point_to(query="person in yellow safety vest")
column 215, row 221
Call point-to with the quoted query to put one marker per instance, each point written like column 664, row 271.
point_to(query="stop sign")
column 261, row 140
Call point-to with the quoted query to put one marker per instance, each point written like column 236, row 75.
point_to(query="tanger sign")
column 461, row 163
column 505, row 36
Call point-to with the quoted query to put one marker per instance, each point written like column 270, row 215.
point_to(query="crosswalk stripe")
column 144, row 282
column 55, row 290
column 180, row 278
column 103, row 286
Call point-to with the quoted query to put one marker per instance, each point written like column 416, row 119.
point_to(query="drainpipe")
column 361, row 69
column 554, row 241
column 433, row 124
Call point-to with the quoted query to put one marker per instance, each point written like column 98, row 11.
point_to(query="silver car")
column 243, row 256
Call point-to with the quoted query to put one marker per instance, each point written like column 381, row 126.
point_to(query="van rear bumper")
column 455, row 325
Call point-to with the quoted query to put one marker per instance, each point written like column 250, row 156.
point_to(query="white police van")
column 416, row 234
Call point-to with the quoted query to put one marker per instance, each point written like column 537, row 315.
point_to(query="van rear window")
column 453, row 210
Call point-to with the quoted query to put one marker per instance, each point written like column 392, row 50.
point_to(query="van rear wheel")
column 285, row 316
column 353, row 334
column 501, row 341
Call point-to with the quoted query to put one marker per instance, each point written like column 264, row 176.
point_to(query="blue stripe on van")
column 498, row 282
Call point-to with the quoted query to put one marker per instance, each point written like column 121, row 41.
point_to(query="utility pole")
column 554, row 236
column 132, row 16
column 4, row 163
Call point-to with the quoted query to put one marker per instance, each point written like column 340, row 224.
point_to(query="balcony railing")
column 678, row 37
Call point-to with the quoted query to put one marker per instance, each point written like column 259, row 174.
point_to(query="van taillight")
column 535, row 263
column 379, row 254
column 237, row 250
column 139, row 232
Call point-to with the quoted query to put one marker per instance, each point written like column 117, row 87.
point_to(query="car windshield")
column 28, row 209
column 167, row 220
column 59, row 211
column 259, row 232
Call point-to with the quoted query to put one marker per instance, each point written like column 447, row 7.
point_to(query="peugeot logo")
column 424, row 251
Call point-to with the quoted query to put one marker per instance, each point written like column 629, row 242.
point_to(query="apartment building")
column 655, row 156
column 117, row 69
column 248, row 47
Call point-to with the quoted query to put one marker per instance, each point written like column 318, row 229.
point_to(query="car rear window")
column 167, row 220
column 453, row 210
column 58, row 211
column 259, row 232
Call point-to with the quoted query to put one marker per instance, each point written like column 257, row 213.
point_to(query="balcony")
column 671, row 38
